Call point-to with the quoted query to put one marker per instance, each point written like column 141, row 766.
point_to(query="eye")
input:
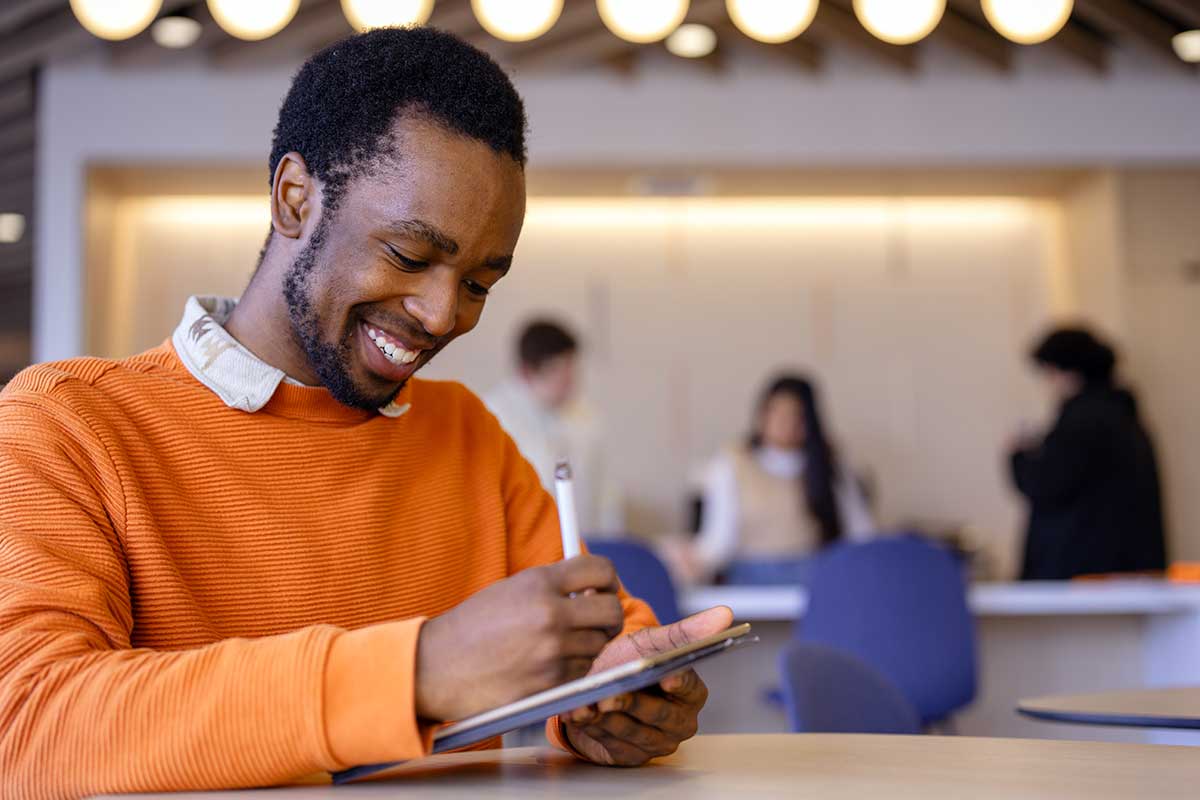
column 476, row 288
column 405, row 261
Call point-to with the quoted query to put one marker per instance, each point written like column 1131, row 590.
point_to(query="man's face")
column 553, row 383
column 404, row 264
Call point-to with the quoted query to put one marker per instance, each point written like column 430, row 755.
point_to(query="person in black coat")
column 1092, row 480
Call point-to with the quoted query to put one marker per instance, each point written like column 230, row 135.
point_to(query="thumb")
column 651, row 641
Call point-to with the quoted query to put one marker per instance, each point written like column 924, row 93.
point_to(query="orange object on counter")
column 1184, row 572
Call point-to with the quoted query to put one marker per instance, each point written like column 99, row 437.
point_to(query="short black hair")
column 1077, row 350
column 542, row 340
column 342, row 103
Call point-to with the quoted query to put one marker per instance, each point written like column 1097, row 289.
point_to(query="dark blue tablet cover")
column 540, row 713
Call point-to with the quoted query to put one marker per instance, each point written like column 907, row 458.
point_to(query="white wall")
column 760, row 114
column 910, row 313
column 1047, row 113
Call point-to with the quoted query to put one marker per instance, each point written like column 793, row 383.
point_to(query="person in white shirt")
column 778, row 497
column 540, row 409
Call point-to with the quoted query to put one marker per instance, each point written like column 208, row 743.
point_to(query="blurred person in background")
column 778, row 497
column 540, row 408
column 1092, row 479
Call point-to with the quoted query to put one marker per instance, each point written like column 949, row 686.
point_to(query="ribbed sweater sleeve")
column 82, row 711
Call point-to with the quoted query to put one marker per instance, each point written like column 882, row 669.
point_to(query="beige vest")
column 772, row 518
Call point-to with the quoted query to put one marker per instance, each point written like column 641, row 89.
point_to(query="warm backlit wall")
column 912, row 313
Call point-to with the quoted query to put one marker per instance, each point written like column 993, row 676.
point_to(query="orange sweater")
column 185, row 587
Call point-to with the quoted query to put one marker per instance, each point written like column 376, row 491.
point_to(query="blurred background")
column 895, row 198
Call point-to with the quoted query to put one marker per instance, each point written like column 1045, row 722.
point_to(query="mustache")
column 414, row 335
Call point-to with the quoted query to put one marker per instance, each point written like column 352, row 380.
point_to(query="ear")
column 294, row 196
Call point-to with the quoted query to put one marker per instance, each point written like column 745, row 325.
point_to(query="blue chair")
column 642, row 574
column 899, row 604
column 828, row 691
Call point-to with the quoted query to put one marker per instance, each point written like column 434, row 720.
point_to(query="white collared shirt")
column 241, row 379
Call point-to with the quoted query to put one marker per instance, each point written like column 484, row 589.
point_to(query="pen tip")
column 562, row 471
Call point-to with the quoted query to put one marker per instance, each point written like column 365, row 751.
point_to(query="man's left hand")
column 630, row 729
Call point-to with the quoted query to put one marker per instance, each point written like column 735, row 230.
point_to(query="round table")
column 1141, row 708
column 793, row 766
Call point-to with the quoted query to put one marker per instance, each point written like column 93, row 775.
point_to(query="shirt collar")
column 241, row 379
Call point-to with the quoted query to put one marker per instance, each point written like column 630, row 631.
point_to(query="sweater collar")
column 241, row 379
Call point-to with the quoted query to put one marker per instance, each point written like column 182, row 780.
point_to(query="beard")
column 331, row 361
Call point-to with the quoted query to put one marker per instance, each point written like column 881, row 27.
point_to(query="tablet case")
column 623, row 678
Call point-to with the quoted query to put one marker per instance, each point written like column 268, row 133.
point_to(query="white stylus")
column 568, row 522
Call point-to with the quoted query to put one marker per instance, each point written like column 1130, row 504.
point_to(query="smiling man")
column 262, row 549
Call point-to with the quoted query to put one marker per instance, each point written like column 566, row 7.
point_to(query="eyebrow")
column 419, row 229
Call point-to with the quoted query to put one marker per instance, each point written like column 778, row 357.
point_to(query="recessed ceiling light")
column 175, row 32
column 692, row 41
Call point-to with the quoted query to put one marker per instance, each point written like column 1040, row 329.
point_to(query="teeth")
column 394, row 353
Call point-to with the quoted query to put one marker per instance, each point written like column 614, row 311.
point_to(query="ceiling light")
column 175, row 32
column 642, row 21
column 900, row 21
column 517, row 20
column 255, row 20
column 115, row 19
column 365, row 14
column 1187, row 46
column 12, row 228
column 692, row 41
column 1027, row 21
column 772, row 21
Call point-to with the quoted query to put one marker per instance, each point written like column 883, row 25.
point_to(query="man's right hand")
column 516, row 637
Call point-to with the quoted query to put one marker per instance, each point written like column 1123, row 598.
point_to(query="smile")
column 391, row 347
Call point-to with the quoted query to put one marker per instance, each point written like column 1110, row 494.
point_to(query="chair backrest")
column 642, row 574
column 828, row 691
column 899, row 604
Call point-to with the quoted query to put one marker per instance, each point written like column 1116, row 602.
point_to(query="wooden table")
column 1140, row 708
column 795, row 766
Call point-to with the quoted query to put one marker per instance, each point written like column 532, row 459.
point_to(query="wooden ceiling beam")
column 802, row 51
column 16, row 13
column 1121, row 17
column 18, row 135
column 578, row 36
column 1084, row 45
column 835, row 20
column 16, row 164
column 16, row 195
column 42, row 40
column 1076, row 40
column 455, row 16
column 1186, row 11
column 16, row 97
column 977, row 40
column 319, row 23
column 142, row 50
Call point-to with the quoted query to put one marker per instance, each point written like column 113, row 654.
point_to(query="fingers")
column 602, row 612
column 672, row 718
column 628, row 741
column 573, row 668
column 686, row 687
column 650, row 641
column 584, row 572
column 584, row 643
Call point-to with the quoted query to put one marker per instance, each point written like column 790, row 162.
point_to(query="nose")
column 435, row 306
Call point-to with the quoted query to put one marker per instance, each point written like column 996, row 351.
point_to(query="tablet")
column 628, row 677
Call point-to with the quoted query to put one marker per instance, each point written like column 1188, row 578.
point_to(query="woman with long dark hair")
column 780, row 495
